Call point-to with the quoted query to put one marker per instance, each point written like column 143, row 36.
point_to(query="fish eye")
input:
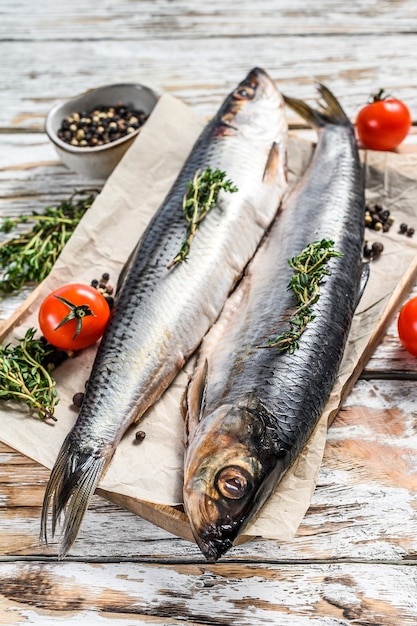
column 233, row 482
column 244, row 92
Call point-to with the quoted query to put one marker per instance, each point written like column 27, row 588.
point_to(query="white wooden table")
column 354, row 559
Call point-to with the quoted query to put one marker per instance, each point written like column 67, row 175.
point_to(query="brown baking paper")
column 152, row 471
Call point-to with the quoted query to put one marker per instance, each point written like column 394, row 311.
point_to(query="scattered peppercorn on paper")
column 145, row 474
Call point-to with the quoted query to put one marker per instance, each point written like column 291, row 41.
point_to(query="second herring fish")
column 252, row 408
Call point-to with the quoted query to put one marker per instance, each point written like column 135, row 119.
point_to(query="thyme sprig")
column 201, row 196
column 24, row 376
column 309, row 269
column 28, row 257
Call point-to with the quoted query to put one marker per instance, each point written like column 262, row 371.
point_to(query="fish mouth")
column 249, row 87
column 215, row 521
column 256, row 85
column 214, row 542
column 213, row 536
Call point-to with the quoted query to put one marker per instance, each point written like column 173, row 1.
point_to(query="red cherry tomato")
column 73, row 316
column 407, row 326
column 384, row 123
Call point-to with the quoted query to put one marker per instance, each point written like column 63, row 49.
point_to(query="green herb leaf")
column 309, row 269
column 29, row 257
column 201, row 196
column 24, row 376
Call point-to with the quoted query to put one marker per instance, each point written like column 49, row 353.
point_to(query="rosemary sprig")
column 24, row 376
column 201, row 196
column 309, row 268
column 29, row 257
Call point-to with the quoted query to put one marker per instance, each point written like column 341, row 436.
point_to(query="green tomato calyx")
column 76, row 312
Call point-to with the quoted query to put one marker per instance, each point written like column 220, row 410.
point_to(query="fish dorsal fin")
column 200, row 391
column 363, row 281
column 126, row 268
column 273, row 164
column 196, row 397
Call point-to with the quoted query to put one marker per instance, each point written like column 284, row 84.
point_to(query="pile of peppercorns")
column 101, row 125
column 378, row 218
column 104, row 288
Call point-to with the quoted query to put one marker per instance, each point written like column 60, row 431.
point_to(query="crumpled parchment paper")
column 152, row 471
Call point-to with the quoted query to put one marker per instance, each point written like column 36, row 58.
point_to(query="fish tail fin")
column 330, row 110
column 70, row 488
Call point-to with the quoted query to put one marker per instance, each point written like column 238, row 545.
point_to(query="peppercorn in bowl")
column 92, row 131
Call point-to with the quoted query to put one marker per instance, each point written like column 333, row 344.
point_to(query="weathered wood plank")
column 216, row 595
column 144, row 19
column 353, row 68
column 367, row 486
column 32, row 176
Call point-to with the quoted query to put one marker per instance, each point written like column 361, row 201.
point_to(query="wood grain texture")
column 210, row 68
column 219, row 595
column 353, row 560
column 145, row 19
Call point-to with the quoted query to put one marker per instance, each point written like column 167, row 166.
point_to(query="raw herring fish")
column 161, row 313
column 251, row 408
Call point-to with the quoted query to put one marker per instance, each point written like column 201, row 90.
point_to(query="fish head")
column 247, row 110
column 223, row 475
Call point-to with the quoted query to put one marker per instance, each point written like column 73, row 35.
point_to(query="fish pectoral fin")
column 196, row 396
column 273, row 164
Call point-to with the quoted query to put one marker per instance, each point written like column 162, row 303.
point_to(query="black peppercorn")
column 140, row 435
column 376, row 249
column 77, row 399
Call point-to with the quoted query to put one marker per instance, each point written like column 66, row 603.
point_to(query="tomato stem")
column 77, row 312
column 380, row 95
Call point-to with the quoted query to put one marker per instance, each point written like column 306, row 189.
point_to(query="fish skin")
column 161, row 314
column 250, row 408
